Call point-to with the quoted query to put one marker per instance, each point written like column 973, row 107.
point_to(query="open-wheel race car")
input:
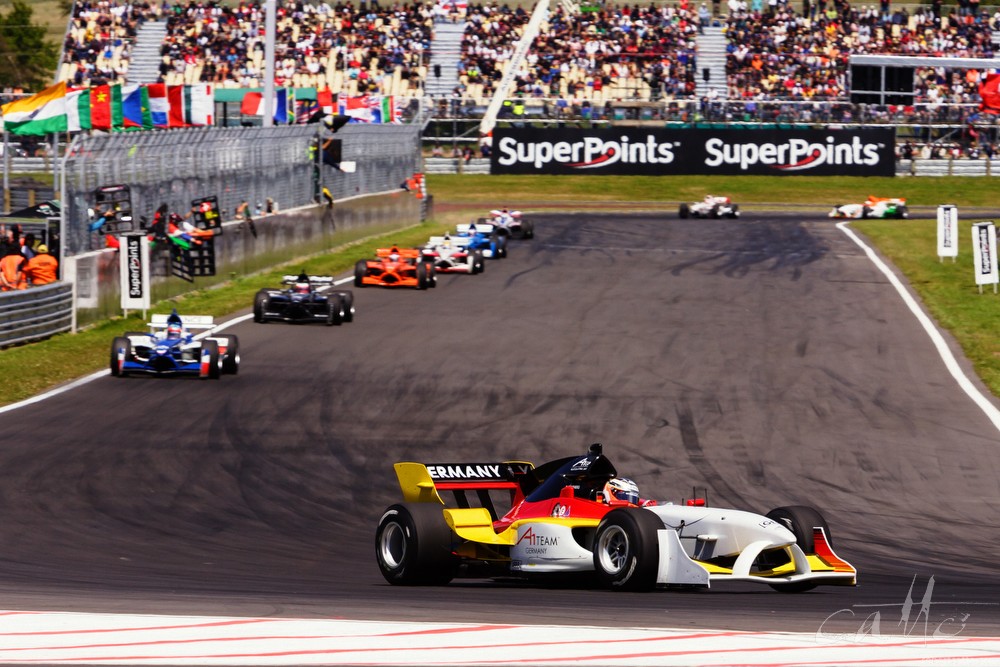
column 483, row 236
column 396, row 267
column 710, row 207
column 453, row 255
column 510, row 223
column 304, row 299
column 574, row 515
column 169, row 348
column 873, row 207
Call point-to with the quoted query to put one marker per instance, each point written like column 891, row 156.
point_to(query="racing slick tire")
column 714, row 213
column 347, row 296
column 214, row 364
column 501, row 246
column 360, row 271
column 734, row 212
column 231, row 362
column 259, row 306
column 684, row 212
column 413, row 546
column 432, row 276
column 626, row 549
column 334, row 310
column 801, row 520
column 529, row 229
column 865, row 212
column 120, row 342
column 422, row 279
column 902, row 212
column 479, row 263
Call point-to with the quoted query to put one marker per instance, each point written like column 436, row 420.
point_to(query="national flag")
column 78, row 110
column 105, row 107
column 159, row 106
column 357, row 108
column 383, row 109
column 325, row 100
column 135, row 108
column 253, row 105
column 177, row 112
column 989, row 91
column 200, row 104
column 42, row 113
column 307, row 111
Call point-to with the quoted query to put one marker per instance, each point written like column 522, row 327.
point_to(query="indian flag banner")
column 42, row 113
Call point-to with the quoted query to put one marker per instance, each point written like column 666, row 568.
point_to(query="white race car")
column 873, row 207
column 511, row 223
column 453, row 255
column 710, row 207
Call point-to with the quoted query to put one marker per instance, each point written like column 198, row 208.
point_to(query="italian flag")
column 42, row 113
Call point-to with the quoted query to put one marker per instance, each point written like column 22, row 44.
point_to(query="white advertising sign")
column 947, row 230
column 984, row 252
column 133, row 266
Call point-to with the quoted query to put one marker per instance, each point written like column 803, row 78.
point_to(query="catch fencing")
column 250, row 164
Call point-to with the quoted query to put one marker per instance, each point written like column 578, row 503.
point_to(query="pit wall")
column 281, row 237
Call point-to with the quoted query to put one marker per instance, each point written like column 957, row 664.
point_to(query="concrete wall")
column 281, row 237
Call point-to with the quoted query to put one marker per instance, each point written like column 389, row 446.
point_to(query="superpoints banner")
column 660, row 152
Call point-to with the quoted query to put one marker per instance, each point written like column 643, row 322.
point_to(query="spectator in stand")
column 11, row 269
column 42, row 269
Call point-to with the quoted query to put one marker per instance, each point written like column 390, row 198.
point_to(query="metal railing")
column 35, row 313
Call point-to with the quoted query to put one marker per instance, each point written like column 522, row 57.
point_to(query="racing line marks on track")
column 984, row 403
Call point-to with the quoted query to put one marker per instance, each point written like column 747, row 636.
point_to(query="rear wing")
column 435, row 241
column 159, row 321
column 481, row 228
column 314, row 280
column 409, row 253
column 470, row 483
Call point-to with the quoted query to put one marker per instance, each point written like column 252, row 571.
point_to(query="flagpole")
column 269, row 30
column 6, row 173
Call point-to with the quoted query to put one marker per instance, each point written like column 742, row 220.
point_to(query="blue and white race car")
column 169, row 348
column 483, row 236
column 304, row 299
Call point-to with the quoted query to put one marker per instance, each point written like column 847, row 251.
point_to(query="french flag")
column 253, row 105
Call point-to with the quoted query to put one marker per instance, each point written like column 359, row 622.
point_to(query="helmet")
column 621, row 489
column 174, row 330
column 302, row 288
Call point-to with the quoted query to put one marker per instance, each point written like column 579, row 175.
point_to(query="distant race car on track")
column 483, row 236
column 576, row 515
column 452, row 255
column 169, row 348
column 710, row 207
column 304, row 299
column 510, row 223
column 873, row 207
column 396, row 267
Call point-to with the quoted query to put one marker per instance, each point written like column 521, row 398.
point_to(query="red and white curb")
column 76, row 638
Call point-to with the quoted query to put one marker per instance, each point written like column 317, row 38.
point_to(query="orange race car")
column 395, row 267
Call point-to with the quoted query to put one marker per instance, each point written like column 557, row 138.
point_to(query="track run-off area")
column 771, row 360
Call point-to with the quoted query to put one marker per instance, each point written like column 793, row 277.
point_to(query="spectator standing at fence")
column 11, row 274
column 28, row 245
column 43, row 268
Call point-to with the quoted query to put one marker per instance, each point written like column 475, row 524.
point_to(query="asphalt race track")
column 765, row 359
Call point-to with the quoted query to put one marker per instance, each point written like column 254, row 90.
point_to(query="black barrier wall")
column 637, row 151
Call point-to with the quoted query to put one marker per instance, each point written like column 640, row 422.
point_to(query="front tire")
column 211, row 348
column 421, row 275
column 684, row 212
column 117, row 344
column 334, row 311
column 259, row 306
column 626, row 549
column 413, row 546
column 800, row 519
column 348, row 298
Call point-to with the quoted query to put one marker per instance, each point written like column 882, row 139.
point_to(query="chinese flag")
column 105, row 107
column 988, row 91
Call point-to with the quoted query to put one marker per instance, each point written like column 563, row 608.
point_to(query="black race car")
column 305, row 299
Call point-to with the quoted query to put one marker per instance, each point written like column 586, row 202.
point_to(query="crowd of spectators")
column 619, row 51
column 349, row 48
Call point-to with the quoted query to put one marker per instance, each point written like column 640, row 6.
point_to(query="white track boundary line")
column 87, row 379
column 984, row 403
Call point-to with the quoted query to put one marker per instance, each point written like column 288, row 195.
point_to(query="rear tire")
column 231, row 362
column 626, row 549
column 413, row 545
column 480, row 264
column 348, row 298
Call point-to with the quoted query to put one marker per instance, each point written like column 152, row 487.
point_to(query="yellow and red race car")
column 576, row 515
column 396, row 267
